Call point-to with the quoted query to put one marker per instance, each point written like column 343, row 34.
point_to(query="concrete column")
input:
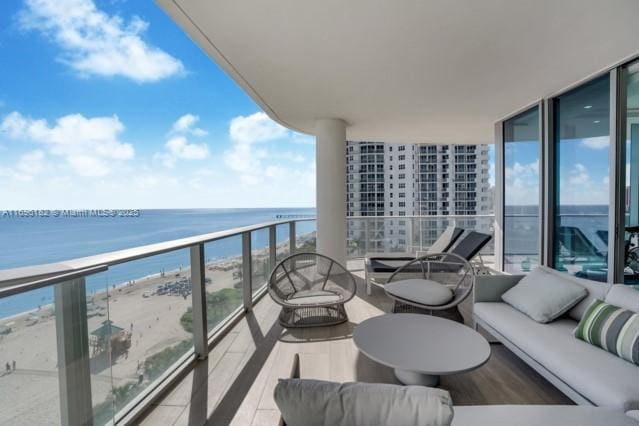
column 331, row 188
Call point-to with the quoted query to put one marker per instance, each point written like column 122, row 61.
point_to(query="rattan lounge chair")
column 312, row 290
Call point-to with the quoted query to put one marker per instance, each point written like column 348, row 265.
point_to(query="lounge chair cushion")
column 424, row 292
column 599, row 376
column 389, row 264
column 445, row 240
column 320, row 403
column 544, row 296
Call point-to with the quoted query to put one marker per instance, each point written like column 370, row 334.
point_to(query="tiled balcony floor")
column 235, row 384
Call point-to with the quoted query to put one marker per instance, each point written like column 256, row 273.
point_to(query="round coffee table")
column 421, row 347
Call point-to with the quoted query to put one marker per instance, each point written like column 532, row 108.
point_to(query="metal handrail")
column 16, row 276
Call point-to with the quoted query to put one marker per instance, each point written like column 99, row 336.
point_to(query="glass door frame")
column 500, row 180
column 547, row 174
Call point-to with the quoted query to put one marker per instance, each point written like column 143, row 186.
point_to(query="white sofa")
column 585, row 373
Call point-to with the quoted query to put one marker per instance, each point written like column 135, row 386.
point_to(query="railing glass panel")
column 148, row 325
column 260, row 259
column 306, row 236
column 31, row 363
column 223, row 282
column 282, row 236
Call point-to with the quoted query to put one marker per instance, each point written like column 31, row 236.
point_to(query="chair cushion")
column 424, row 292
column 612, row 329
column 624, row 296
column 313, row 297
column 535, row 415
column 544, row 296
column 316, row 402
column 599, row 376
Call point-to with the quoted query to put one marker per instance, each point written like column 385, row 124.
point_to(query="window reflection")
column 582, row 149
column 521, row 192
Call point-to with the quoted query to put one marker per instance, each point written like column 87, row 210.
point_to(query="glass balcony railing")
column 411, row 234
column 90, row 340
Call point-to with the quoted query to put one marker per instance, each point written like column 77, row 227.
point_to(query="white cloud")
column 302, row 139
column 246, row 132
column 186, row 124
column 580, row 185
column 88, row 145
column 521, row 181
column 178, row 146
column 26, row 167
column 255, row 128
column 31, row 163
column 579, row 175
column 598, row 142
column 519, row 169
column 95, row 43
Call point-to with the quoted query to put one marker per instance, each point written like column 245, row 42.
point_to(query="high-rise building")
column 417, row 180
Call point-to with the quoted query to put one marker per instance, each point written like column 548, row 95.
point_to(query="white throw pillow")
column 624, row 296
column 544, row 296
column 319, row 403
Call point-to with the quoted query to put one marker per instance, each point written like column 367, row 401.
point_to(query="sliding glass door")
column 521, row 192
column 631, row 192
column 582, row 162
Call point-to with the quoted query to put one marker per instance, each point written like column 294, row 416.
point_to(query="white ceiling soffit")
column 435, row 71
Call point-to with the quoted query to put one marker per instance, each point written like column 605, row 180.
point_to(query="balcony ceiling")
column 437, row 71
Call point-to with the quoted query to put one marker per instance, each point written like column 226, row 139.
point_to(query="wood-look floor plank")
column 284, row 355
column 266, row 418
column 206, row 397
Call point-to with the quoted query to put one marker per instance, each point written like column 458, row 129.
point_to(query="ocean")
column 26, row 241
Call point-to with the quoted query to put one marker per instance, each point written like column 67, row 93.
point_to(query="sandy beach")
column 29, row 394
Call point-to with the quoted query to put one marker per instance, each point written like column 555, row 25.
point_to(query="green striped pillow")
column 611, row 328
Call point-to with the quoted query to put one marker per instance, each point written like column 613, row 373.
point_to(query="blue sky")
column 108, row 104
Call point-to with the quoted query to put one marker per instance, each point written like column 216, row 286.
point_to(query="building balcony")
column 173, row 335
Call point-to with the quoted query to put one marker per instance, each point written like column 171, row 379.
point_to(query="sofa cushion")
column 600, row 377
column 316, row 402
column 623, row 296
column 596, row 290
column 612, row 329
column 544, row 296
column 535, row 415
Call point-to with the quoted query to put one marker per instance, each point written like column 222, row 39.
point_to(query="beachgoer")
column 8, row 367
column 14, row 365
